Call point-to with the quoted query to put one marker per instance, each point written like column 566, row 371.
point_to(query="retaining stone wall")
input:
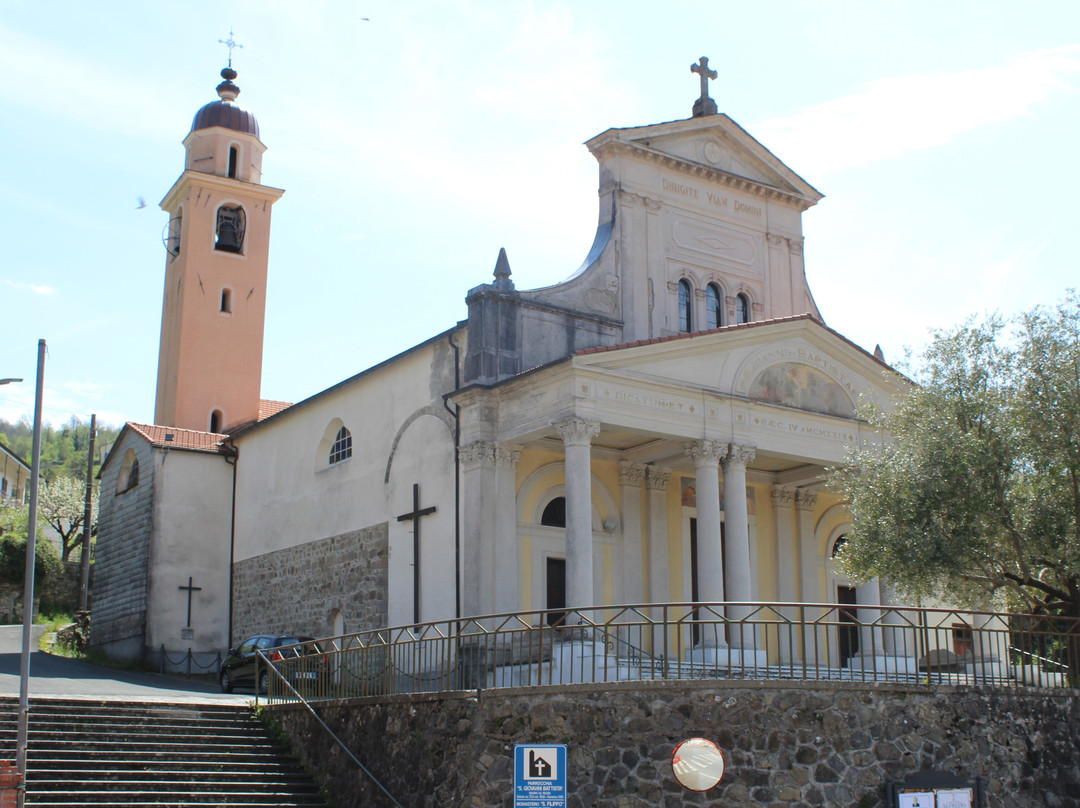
column 299, row 588
column 796, row 745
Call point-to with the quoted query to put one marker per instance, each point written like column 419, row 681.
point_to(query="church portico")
column 677, row 485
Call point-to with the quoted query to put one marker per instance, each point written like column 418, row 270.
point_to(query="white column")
column 707, row 455
column 477, row 527
column 783, row 501
column 657, row 480
column 737, row 527
column 871, row 642
column 810, row 578
column 631, row 475
column 577, row 435
column 507, row 566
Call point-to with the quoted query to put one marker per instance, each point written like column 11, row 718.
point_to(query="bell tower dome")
column 217, row 251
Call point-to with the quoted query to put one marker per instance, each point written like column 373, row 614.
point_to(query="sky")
column 414, row 139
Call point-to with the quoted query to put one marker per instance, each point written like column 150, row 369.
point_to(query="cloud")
column 892, row 116
column 37, row 289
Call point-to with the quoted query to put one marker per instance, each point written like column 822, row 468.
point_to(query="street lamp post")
column 28, row 591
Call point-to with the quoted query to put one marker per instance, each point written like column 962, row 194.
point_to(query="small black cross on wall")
column 415, row 516
column 189, row 588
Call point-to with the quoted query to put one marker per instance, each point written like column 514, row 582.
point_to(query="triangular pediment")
column 796, row 363
column 712, row 143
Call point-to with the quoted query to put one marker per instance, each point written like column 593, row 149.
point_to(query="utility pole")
column 28, row 591
column 84, row 567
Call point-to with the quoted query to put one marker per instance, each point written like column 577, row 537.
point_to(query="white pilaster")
column 477, row 529
column 656, row 481
column 805, row 502
column 631, row 475
column 577, row 435
column 783, row 502
column 507, row 567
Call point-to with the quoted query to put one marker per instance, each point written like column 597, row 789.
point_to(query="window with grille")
column 342, row 448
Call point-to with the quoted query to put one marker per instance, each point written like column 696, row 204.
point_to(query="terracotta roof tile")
column 170, row 436
column 268, row 408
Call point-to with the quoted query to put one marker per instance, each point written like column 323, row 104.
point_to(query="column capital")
column 577, row 431
column 506, row 457
column 706, row 452
column 631, row 473
column 805, row 501
column 657, row 478
column 738, row 455
column 782, row 497
column 476, row 454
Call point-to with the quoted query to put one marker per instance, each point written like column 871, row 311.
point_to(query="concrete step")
column 249, row 786
column 140, row 797
column 134, row 754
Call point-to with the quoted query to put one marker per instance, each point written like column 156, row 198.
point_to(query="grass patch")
column 53, row 620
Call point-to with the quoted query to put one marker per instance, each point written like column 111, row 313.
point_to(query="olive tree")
column 972, row 494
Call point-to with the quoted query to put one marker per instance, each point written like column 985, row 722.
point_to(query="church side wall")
column 290, row 497
column 797, row 744
column 289, row 590
column 122, row 551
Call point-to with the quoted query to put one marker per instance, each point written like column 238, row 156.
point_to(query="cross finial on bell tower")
column 704, row 105
column 231, row 44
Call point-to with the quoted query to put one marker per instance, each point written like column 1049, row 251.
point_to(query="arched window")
column 713, row 318
column 554, row 514
column 231, row 223
column 233, row 155
column 226, row 301
column 215, row 421
column 838, row 545
column 686, row 301
column 128, row 477
column 742, row 308
column 342, row 448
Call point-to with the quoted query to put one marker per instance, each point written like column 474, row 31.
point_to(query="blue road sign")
column 540, row 775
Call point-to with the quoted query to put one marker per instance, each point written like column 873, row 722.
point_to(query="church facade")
column 654, row 429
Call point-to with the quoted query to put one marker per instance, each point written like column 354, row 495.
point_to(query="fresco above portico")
column 793, row 384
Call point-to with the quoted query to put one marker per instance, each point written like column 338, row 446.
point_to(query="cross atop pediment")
column 704, row 105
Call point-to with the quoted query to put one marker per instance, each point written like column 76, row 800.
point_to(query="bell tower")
column 217, row 243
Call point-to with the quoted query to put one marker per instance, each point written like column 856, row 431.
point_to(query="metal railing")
column 280, row 682
column 823, row 642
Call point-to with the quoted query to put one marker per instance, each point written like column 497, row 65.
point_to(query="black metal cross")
column 415, row 516
column 230, row 43
column 704, row 105
column 190, row 589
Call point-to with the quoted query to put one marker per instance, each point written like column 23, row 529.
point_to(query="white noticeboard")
column 917, row 799
column 954, row 798
column 540, row 775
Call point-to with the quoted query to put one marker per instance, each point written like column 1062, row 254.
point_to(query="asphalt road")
column 53, row 676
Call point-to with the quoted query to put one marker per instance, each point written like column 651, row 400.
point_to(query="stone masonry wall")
column 121, row 555
column 794, row 745
column 300, row 588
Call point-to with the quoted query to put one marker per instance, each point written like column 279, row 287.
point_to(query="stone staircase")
column 138, row 754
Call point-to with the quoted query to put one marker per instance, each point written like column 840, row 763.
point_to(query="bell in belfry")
column 230, row 230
